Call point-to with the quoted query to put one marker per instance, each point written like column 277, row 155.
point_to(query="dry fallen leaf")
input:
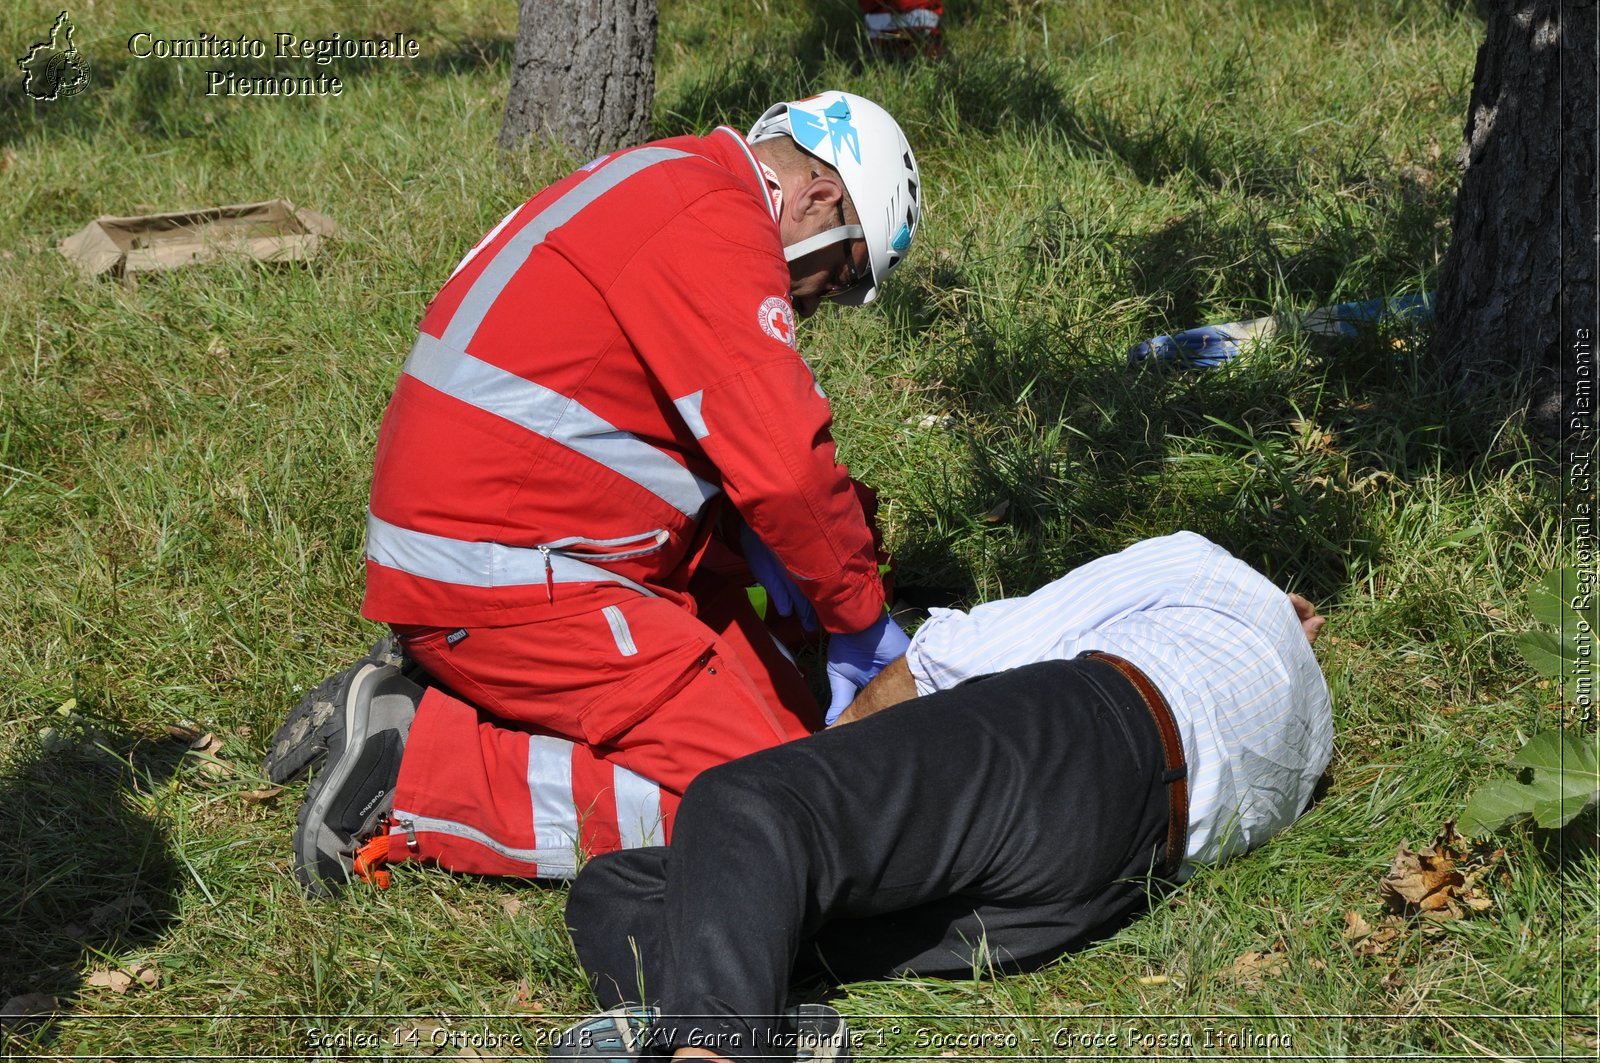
column 261, row 796
column 525, row 999
column 120, row 981
column 1440, row 882
column 1355, row 926
column 1252, row 969
column 183, row 732
column 1263, row 962
column 1369, row 940
column 997, row 512
column 117, row 981
column 209, row 748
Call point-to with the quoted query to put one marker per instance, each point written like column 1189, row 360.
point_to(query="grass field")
column 184, row 465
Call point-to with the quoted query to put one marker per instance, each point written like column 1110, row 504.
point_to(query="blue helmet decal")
column 810, row 131
column 902, row 239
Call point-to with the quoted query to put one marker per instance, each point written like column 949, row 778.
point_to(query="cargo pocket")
column 649, row 685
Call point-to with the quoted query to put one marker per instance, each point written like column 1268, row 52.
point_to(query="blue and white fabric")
column 1216, row 637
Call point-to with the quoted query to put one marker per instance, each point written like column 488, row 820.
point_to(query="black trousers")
column 996, row 825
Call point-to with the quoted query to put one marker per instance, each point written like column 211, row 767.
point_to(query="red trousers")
column 579, row 734
column 887, row 17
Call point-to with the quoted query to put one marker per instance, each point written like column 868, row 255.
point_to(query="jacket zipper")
column 600, row 551
column 564, row 856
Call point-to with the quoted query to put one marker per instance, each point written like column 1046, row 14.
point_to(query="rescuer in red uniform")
column 603, row 411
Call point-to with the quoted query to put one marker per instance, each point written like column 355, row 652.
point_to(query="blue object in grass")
column 1211, row 345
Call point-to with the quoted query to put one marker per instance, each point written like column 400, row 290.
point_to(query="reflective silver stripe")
column 638, row 808
column 556, row 417
column 555, row 859
column 470, row 564
column 619, row 631
column 498, row 273
column 555, row 815
column 481, row 244
column 689, row 410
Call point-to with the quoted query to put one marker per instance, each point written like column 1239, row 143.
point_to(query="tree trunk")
column 582, row 74
column 1518, row 282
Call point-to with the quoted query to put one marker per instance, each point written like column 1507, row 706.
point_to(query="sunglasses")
column 852, row 277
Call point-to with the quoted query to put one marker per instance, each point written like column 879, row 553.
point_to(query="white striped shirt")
column 1221, row 643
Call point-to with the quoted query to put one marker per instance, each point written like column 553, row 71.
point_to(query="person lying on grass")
column 1048, row 765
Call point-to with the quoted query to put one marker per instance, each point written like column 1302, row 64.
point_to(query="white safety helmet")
column 859, row 139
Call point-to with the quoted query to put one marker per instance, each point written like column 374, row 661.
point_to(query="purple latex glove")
column 782, row 593
column 854, row 659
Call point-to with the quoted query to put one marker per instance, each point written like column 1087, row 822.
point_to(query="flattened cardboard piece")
column 270, row 231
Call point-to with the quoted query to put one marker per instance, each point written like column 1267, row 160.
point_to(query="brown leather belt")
column 1177, row 773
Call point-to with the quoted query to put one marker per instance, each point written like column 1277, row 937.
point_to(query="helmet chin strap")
column 832, row 236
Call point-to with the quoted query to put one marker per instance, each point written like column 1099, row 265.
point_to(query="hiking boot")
column 301, row 743
column 350, row 797
column 623, row 1033
column 822, row 1035
column 618, row 1034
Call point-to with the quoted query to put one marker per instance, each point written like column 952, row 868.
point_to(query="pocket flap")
column 651, row 684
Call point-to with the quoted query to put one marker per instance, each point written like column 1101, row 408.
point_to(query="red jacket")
column 610, row 362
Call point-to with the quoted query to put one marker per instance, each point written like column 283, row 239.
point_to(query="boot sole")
column 301, row 742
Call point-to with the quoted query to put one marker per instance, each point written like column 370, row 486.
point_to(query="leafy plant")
column 1558, row 771
column 1566, row 654
column 1558, row 777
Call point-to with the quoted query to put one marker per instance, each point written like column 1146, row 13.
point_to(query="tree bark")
column 582, row 74
column 1518, row 280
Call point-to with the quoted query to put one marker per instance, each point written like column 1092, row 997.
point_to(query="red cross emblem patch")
column 777, row 319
